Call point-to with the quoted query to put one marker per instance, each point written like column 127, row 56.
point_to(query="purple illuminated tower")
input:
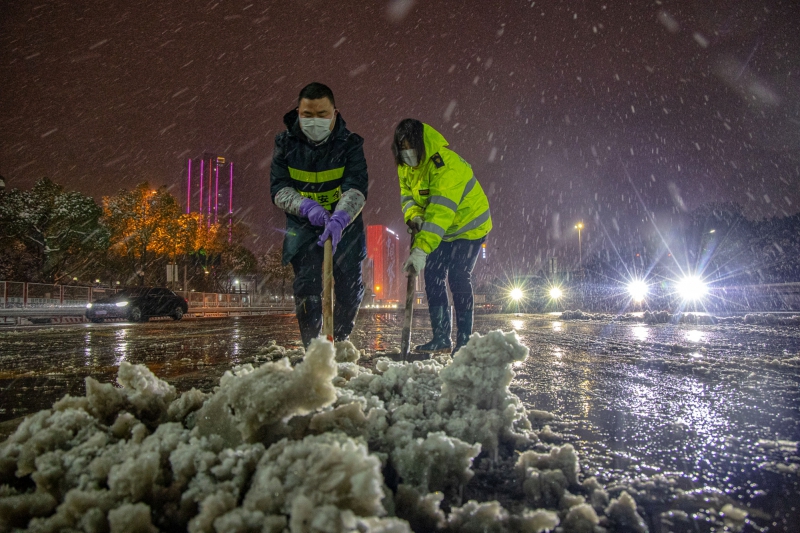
column 207, row 187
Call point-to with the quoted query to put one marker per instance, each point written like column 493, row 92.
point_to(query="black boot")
column 344, row 318
column 463, row 306
column 464, row 329
column 440, row 323
column 309, row 317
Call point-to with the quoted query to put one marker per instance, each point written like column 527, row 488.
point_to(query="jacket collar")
column 434, row 141
column 292, row 123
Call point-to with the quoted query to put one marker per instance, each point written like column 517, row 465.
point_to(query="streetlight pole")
column 579, row 227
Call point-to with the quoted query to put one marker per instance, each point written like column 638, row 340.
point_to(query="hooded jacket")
column 322, row 172
column 443, row 191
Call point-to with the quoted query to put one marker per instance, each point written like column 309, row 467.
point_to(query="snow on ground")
column 665, row 317
column 325, row 445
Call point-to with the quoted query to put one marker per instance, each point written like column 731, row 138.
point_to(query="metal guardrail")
column 22, row 295
column 74, row 315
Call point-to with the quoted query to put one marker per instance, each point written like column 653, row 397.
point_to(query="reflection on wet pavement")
column 698, row 405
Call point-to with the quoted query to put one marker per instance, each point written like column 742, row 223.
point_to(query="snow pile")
column 466, row 397
column 623, row 516
column 657, row 317
column 325, row 445
column 772, row 320
column 696, row 319
column 581, row 315
column 346, row 352
column 723, row 320
column 437, row 463
column 490, row 516
column 326, row 480
column 734, row 517
column 252, row 403
column 546, row 476
column 475, row 392
column 274, row 352
column 574, row 315
column 791, row 362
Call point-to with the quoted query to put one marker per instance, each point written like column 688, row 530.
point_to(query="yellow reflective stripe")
column 471, row 225
column 443, row 201
column 325, row 199
column 470, row 184
column 316, row 177
column 433, row 228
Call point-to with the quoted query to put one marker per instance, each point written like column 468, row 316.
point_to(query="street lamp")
column 579, row 227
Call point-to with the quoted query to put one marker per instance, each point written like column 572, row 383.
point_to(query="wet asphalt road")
column 711, row 411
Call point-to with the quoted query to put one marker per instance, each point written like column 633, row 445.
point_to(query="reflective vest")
column 443, row 191
column 325, row 187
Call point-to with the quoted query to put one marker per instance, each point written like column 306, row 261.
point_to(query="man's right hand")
column 415, row 225
column 415, row 262
column 316, row 214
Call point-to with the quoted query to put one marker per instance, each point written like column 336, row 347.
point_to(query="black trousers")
column 348, row 286
column 452, row 262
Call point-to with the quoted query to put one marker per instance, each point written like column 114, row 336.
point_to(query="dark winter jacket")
column 322, row 172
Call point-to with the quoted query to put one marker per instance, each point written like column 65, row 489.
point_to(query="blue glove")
column 316, row 214
column 334, row 227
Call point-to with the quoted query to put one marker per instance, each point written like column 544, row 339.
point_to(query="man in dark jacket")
column 319, row 178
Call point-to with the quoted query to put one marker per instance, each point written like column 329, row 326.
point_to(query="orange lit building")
column 382, row 268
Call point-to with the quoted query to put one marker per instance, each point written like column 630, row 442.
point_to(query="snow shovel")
column 327, row 291
column 405, row 339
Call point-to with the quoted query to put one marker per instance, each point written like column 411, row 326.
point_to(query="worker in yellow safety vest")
column 447, row 211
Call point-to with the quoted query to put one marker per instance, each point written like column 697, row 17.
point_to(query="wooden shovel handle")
column 327, row 291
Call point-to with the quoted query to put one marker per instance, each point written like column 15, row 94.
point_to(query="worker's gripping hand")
column 415, row 262
column 316, row 214
column 414, row 225
column 334, row 227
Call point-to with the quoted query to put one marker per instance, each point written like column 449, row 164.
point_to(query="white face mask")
column 409, row 157
column 316, row 129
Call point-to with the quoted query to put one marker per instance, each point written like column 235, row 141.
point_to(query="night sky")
column 606, row 112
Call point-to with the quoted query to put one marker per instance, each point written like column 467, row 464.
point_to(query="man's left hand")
column 334, row 227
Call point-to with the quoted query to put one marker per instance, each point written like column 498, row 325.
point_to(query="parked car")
column 138, row 305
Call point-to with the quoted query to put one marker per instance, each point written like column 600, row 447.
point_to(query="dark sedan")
column 137, row 305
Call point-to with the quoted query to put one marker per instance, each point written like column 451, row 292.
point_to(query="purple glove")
column 316, row 214
column 334, row 227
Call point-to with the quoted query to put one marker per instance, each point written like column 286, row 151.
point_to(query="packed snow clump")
column 323, row 446
column 252, row 403
column 273, row 352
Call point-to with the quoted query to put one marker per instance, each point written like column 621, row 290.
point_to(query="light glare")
column 516, row 294
column 692, row 288
column 638, row 290
column 555, row 293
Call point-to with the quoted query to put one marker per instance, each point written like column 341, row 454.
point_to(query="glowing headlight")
column 638, row 290
column 88, row 306
column 516, row 294
column 692, row 288
column 555, row 293
column 122, row 304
